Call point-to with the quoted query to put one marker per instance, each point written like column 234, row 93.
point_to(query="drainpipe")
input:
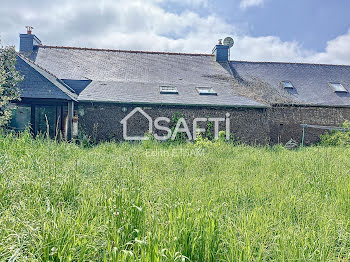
column 70, row 120
column 32, row 120
column 304, row 126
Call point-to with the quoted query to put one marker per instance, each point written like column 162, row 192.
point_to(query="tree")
column 9, row 79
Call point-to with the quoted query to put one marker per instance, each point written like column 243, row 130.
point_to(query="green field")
column 157, row 202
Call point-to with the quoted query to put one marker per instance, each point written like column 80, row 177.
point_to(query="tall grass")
column 157, row 202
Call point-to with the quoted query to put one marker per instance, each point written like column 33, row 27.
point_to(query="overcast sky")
column 264, row 30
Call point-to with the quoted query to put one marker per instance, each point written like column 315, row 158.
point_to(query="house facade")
column 70, row 91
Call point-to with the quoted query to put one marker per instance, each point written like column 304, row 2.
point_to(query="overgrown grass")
column 152, row 202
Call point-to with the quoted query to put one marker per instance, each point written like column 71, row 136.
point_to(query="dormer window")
column 168, row 90
column 206, row 91
column 338, row 87
column 287, row 84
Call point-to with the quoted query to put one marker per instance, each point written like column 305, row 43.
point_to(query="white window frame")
column 337, row 90
column 285, row 82
column 168, row 89
column 203, row 90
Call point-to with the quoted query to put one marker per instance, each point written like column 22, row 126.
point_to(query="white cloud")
column 145, row 25
column 249, row 3
column 191, row 2
column 271, row 47
column 337, row 51
column 138, row 24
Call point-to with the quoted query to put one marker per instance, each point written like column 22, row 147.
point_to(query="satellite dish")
column 229, row 41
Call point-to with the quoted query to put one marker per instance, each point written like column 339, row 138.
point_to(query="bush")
column 337, row 138
column 9, row 79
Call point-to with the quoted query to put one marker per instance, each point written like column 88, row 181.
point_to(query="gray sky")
column 180, row 26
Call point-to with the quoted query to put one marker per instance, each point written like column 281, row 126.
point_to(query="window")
column 47, row 119
column 287, row 84
column 338, row 88
column 206, row 91
column 20, row 118
column 168, row 90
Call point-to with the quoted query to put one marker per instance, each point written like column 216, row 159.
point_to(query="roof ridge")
column 290, row 63
column 179, row 53
column 123, row 51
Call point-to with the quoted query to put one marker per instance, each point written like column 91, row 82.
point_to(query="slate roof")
column 134, row 77
column 310, row 82
column 148, row 93
column 39, row 83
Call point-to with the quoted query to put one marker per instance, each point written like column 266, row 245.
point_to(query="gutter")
column 310, row 105
column 173, row 104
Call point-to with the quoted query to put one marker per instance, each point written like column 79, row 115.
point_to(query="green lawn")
column 152, row 202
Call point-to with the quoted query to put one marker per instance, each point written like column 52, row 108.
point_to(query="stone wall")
column 284, row 122
column 101, row 121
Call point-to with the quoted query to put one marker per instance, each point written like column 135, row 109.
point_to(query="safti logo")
column 181, row 127
column 124, row 122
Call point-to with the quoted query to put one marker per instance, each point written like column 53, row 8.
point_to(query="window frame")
column 168, row 89
column 284, row 82
column 211, row 91
column 335, row 90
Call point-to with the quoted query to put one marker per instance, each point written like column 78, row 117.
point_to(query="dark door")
column 48, row 120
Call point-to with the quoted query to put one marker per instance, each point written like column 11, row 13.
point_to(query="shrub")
column 9, row 79
column 337, row 138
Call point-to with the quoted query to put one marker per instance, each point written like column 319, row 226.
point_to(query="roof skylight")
column 168, row 90
column 287, row 84
column 338, row 87
column 206, row 91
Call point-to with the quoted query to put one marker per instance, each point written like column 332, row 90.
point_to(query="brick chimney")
column 28, row 41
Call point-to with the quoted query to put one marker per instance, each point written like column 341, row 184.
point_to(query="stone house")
column 72, row 91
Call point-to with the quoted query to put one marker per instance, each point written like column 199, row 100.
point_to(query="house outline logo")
column 124, row 122
column 178, row 129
